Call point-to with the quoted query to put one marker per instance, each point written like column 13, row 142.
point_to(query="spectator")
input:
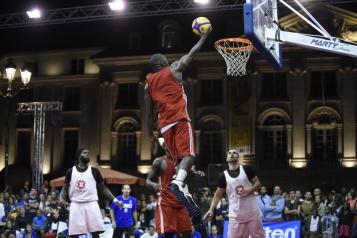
column 306, row 210
column 124, row 219
column 214, row 233
column 274, row 210
column 353, row 208
column 329, row 224
column 205, row 200
column 313, row 225
column 345, row 221
column 263, row 201
column 149, row 233
column 29, row 232
column 42, row 202
column 319, row 205
column 150, row 210
column 26, row 188
column 32, row 203
column 292, row 207
column 195, row 234
column 141, row 225
column 53, row 223
column 22, row 220
column 317, row 192
column 2, row 209
column 298, row 196
column 39, row 224
column 9, row 228
column 222, row 213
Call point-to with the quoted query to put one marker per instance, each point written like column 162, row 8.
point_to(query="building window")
column 127, row 146
column 169, row 36
column 211, row 143
column 77, row 66
column 23, row 145
column 134, row 41
column 274, row 143
column 211, row 92
column 274, row 86
column 323, row 84
column 127, row 96
column 72, row 100
column 70, row 146
column 324, row 147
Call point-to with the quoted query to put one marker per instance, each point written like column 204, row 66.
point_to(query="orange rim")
column 248, row 47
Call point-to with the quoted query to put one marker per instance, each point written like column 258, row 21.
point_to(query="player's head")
column 232, row 156
column 126, row 190
column 82, row 155
column 157, row 62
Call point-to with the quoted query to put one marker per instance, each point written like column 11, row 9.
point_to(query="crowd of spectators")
column 39, row 214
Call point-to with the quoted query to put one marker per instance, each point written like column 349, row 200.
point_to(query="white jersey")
column 83, row 187
column 243, row 209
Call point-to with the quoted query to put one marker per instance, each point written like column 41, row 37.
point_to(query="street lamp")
column 9, row 93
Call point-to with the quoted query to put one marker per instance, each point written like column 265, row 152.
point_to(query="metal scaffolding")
column 141, row 8
column 39, row 110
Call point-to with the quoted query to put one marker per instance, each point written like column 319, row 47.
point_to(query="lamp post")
column 9, row 93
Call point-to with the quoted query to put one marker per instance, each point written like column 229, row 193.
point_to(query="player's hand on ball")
column 208, row 215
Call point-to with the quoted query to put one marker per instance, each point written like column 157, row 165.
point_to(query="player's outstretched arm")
column 185, row 60
column 216, row 198
column 153, row 174
column 149, row 111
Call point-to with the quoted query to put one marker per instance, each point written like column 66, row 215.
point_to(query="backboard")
column 259, row 15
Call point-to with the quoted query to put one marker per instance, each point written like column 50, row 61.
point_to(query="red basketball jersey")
column 168, row 96
column 166, row 197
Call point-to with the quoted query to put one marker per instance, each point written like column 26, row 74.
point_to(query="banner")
column 289, row 229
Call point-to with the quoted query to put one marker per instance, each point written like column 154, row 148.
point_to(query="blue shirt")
column 38, row 222
column 263, row 202
column 124, row 216
column 196, row 234
column 274, row 210
column 211, row 236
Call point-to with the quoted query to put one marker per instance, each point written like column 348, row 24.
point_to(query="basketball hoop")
column 236, row 52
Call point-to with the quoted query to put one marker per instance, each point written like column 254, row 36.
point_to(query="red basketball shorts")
column 173, row 220
column 179, row 140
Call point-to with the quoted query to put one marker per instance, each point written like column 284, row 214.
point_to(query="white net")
column 236, row 52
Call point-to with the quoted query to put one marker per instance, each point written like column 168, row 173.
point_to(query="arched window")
column 169, row 36
column 274, row 142
column 126, row 149
column 211, row 150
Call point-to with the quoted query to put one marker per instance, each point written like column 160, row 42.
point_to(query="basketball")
column 200, row 25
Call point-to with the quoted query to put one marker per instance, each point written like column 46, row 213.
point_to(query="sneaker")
column 183, row 196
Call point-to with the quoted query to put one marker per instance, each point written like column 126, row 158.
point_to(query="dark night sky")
column 108, row 33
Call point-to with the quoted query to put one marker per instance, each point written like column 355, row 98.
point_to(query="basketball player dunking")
column 80, row 188
column 171, row 216
column 240, row 183
column 164, row 90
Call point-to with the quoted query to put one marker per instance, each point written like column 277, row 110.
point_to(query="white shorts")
column 253, row 229
column 85, row 218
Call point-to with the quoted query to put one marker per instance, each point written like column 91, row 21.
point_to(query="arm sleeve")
column 97, row 175
column 222, row 183
column 68, row 177
column 249, row 172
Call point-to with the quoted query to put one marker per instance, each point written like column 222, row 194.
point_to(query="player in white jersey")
column 80, row 188
column 240, row 183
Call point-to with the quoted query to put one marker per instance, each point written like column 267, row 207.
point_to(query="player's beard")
column 84, row 159
column 232, row 160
